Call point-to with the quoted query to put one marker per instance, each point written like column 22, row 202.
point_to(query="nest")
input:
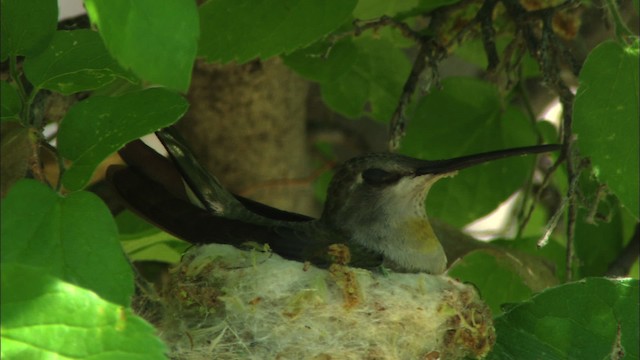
column 225, row 303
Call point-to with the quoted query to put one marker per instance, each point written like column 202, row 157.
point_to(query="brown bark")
column 247, row 126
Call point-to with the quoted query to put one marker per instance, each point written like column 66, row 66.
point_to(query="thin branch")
column 552, row 224
column 550, row 11
column 545, row 182
column 622, row 31
column 601, row 193
column 398, row 121
column 484, row 17
column 566, row 99
column 532, row 119
column 627, row 257
column 545, row 51
column 360, row 26
column 510, row 62
column 35, row 161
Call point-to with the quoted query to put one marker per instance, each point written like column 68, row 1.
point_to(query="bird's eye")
column 377, row 177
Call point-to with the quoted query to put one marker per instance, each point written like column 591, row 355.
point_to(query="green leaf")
column 606, row 119
column 467, row 117
column 485, row 270
column 155, row 245
column 634, row 272
column 74, row 61
column 95, row 128
column 73, row 237
column 242, row 30
column 323, row 62
column 26, row 26
column 157, row 40
column 46, row 318
column 553, row 254
column 10, row 102
column 142, row 241
column 579, row 320
column 597, row 245
column 363, row 76
column 548, row 131
column 502, row 275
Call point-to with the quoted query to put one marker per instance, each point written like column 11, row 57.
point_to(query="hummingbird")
column 375, row 206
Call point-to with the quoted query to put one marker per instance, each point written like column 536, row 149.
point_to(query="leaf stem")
column 621, row 29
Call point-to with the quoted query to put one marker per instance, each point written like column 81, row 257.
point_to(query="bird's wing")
column 155, row 203
column 209, row 190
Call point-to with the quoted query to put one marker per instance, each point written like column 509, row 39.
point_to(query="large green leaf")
column 74, row 61
column 156, row 39
column 26, row 26
column 10, row 102
column 359, row 77
column 243, row 30
column 582, row 320
column 73, row 237
column 606, row 118
column 467, row 117
column 46, row 318
column 95, row 128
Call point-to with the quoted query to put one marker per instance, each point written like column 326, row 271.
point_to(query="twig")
column 484, row 17
column 549, row 11
column 545, row 182
column 35, row 162
column 507, row 64
column 622, row 31
column 602, row 191
column 553, row 222
column 566, row 99
column 360, row 26
column 629, row 255
column 398, row 121
column 551, row 225
column 544, row 50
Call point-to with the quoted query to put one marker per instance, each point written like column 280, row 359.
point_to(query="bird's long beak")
column 449, row 165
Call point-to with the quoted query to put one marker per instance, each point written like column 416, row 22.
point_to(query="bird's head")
column 374, row 194
column 377, row 200
column 372, row 189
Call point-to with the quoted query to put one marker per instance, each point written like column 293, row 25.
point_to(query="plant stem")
column 622, row 31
